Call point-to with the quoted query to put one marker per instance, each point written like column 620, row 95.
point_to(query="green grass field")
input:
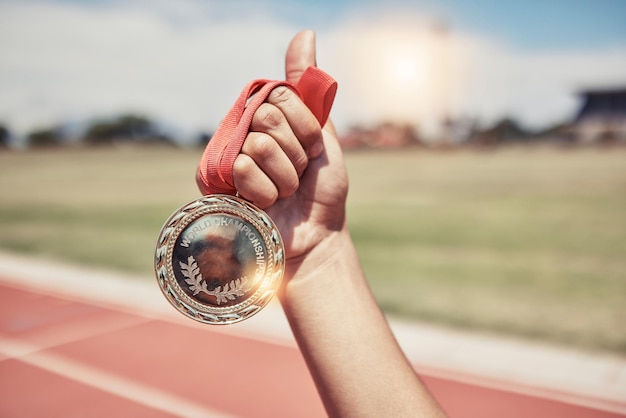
column 528, row 243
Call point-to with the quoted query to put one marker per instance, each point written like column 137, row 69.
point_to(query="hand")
column 292, row 167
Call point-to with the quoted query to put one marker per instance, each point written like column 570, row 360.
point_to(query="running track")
column 77, row 343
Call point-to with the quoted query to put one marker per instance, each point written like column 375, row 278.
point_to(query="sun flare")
column 398, row 73
column 406, row 69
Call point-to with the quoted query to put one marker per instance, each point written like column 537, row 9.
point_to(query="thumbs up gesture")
column 291, row 166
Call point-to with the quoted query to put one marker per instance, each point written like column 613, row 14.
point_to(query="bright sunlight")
column 400, row 73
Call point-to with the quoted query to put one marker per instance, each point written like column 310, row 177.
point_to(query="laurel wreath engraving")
column 167, row 270
column 231, row 290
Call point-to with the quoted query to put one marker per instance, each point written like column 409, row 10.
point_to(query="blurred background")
column 485, row 143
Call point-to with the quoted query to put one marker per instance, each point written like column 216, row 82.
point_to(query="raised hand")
column 292, row 167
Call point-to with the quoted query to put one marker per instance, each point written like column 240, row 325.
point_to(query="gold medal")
column 219, row 259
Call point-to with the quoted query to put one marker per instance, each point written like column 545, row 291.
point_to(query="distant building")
column 602, row 117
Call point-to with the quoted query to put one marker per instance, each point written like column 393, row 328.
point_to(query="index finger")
column 301, row 120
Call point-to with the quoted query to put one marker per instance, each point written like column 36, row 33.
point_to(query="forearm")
column 358, row 367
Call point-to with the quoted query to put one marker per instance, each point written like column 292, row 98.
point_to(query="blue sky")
column 550, row 23
column 184, row 61
column 544, row 24
column 537, row 24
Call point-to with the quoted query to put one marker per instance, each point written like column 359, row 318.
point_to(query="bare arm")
column 294, row 169
column 358, row 368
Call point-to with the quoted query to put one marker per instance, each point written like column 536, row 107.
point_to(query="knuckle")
column 312, row 132
column 263, row 146
column 267, row 198
column 309, row 131
column 280, row 94
column 243, row 167
column 268, row 116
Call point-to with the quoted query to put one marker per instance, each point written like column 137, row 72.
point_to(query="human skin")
column 293, row 168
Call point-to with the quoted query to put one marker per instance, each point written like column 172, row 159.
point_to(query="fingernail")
column 316, row 150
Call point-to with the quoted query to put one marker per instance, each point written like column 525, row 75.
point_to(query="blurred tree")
column 125, row 128
column 506, row 130
column 203, row 139
column 559, row 133
column 45, row 137
column 5, row 135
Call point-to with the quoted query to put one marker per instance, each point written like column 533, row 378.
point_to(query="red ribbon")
column 316, row 89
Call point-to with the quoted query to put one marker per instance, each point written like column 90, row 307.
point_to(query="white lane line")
column 546, row 394
column 443, row 351
column 86, row 330
column 107, row 382
column 130, row 294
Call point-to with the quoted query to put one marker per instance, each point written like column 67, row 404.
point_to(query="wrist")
column 327, row 252
column 333, row 261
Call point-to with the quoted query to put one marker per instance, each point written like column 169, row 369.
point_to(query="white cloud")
column 468, row 76
column 64, row 61
column 537, row 87
column 184, row 62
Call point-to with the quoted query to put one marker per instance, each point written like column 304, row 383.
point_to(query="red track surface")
column 67, row 358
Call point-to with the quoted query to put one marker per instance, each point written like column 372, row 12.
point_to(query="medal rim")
column 190, row 212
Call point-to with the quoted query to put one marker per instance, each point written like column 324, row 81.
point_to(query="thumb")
column 300, row 55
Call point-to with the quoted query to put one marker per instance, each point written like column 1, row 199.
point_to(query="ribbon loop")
column 215, row 175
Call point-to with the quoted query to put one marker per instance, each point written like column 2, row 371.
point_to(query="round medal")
column 219, row 259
